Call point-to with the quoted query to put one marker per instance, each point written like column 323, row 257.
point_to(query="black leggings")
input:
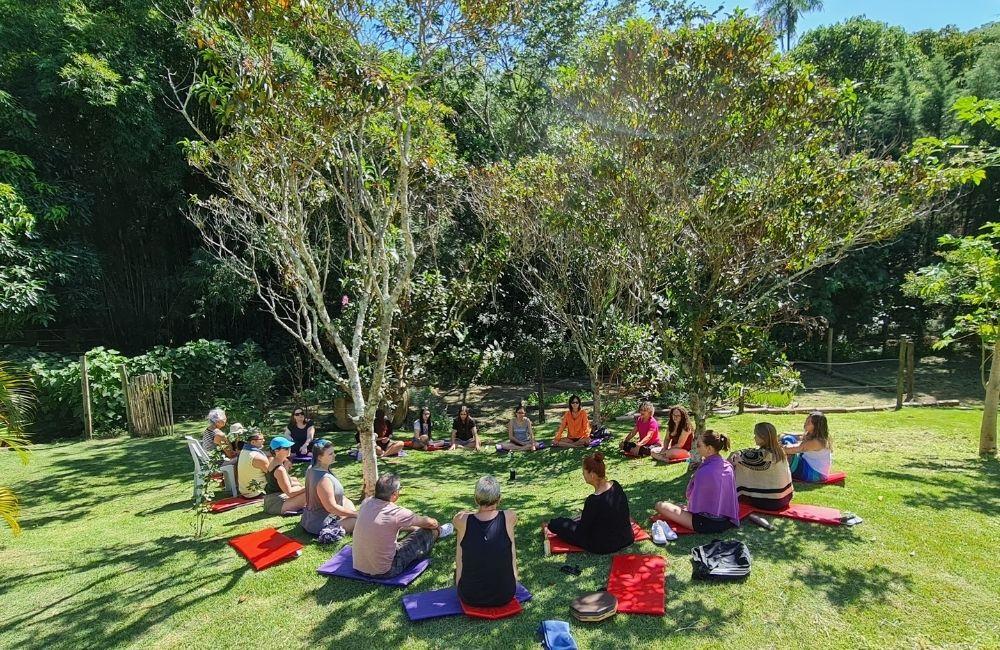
column 567, row 530
column 635, row 449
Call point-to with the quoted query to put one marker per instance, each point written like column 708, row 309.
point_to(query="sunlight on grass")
column 106, row 557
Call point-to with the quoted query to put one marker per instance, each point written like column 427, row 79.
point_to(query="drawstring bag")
column 720, row 560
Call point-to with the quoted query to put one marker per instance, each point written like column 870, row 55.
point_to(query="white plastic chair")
column 200, row 457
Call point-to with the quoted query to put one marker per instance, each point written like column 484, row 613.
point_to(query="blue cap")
column 280, row 442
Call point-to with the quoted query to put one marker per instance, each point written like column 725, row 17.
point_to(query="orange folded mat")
column 513, row 608
column 266, row 548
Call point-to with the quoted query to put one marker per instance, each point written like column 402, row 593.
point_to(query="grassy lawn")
column 107, row 559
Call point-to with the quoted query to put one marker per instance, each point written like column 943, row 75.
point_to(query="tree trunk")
column 541, row 391
column 369, row 462
column 988, row 430
column 595, row 387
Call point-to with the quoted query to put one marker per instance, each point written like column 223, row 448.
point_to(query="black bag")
column 600, row 431
column 720, row 560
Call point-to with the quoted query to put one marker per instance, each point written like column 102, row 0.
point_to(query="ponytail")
column 717, row 441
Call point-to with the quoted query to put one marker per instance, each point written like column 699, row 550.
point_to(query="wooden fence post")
column 829, row 350
column 128, row 408
column 901, row 371
column 88, row 421
column 740, row 402
column 910, row 367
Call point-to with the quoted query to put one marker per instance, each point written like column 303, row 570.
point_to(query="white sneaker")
column 444, row 530
column 662, row 533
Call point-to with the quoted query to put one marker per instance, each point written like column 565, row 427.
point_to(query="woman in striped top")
column 763, row 478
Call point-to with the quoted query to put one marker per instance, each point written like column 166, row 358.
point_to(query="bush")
column 204, row 373
column 560, row 398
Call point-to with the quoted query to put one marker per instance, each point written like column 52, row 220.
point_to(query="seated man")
column 376, row 551
column 252, row 466
column 464, row 431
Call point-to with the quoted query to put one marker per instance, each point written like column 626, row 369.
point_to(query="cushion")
column 513, row 608
column 444, row 602
column 342, row 566
column 637, row 581
column 835, row 477
column 222, row 505
column 593, row 607
column 555, row 544
column 266, row 548
column 802, row 512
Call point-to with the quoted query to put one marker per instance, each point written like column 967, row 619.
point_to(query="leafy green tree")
column 334, row 170
column 938, row 96
column 738, row 179
column 968, row 281
column 784, row 15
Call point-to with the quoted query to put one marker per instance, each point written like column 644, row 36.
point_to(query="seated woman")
column 647, row 429
column 485, row 557
column 810, row 453
column 464, row 431
column 251, row 465
column 282, row 492
column 422, row 428
column 384, row 444
column 605, row 525
column 520, row 433
column 711, row 493
column 301, row 432
column 214, row 438
column 575, row 424
column 762, row 476
column 328, row 514
column 680, row 435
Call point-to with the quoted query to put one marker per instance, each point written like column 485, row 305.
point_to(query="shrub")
column 204, row 373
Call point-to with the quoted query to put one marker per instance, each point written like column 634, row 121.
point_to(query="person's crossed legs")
column 572, row 442
column 414, row 547
column 675, row 514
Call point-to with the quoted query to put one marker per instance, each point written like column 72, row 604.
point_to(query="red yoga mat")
column 836, row 477
column 555, row 545
column 513, row 608
column 266, row 548
column 639, row 583
column 229, row 503
column 803, row 512
column 681, row 530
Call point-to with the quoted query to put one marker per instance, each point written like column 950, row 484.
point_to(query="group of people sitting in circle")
column 485, row 557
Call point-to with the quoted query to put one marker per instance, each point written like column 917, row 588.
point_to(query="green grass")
column 107, row 559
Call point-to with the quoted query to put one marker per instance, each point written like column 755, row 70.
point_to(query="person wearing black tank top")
column 301, row 432
column 485, row 556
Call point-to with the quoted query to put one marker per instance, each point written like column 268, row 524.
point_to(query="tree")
column 332, row 166
column 785, row 14
column 968, row 280
column 736, row 185
column 16, row 402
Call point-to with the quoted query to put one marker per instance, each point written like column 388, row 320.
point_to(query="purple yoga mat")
column 342, row 566
column 444, row 602
column 299, row 458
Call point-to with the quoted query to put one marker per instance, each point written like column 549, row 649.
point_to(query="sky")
column 912, row 15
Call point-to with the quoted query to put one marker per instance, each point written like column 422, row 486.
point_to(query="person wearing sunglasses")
column 575, row 425
column 301, row 432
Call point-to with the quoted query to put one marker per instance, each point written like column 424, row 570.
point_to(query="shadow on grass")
column 972, row 484
column 96, row 609
column 849, row 585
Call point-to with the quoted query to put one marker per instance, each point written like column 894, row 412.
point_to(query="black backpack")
column 720, row 560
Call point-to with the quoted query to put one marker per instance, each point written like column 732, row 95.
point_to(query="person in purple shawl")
column 711, row 494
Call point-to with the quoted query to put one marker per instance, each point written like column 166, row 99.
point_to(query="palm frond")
column 17, row 404
column 10, row 510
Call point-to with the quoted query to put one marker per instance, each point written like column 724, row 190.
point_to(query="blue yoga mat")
column 342, row 566
column 444, row 602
